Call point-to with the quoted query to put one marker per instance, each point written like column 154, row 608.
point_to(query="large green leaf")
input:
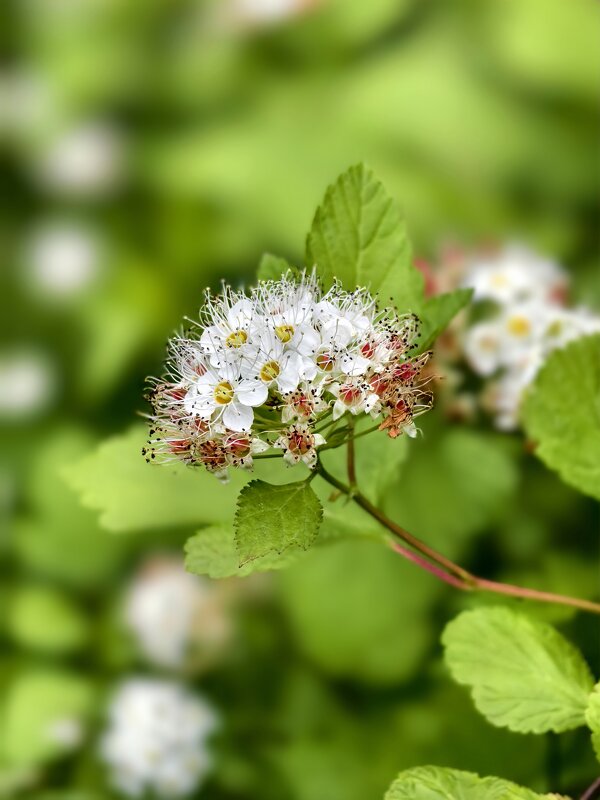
column 132, row 495
column 212, row 552
column 561, row 413
column 359, row 611
column 439, row 783
column 523, row 674
column 592, row 717
column 359, row 237
column 38, row 706
column 273, row 518
column 271, row 268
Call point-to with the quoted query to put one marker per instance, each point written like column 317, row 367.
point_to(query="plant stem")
column 350, row 462
column 445, row 569
column 592, row 791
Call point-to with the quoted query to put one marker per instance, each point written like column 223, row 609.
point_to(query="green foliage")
column 561, row 414
column 359, row 237
column 523, row 674
column 454, row 483
column 437, row 312
column 438, row 783
column 275, row 518
column 359, row 611
column 592, row 717
column 46, row 619
column 35, row 705
column 212, row 551
column 132, row 495
column 57, row 537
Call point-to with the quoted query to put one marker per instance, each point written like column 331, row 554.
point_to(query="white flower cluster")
column 157, row 739
column 266, row 370
column 530, row 320
column 177, row 617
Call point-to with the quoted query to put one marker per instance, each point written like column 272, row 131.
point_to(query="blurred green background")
column 152, row 148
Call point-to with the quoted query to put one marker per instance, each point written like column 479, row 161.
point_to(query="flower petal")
column 237, row 417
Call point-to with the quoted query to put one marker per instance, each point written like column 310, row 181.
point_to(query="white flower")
column 86, row 160
column 172, row 613
column 516, row 274
column 231, row 324
column 27, row 383
column 300, row 444
column 62, row 257
column 157, row 739
column 225, row 396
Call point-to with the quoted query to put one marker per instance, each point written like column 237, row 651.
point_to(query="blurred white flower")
column 61, row 258
column 86, row 160
column 67, row 732
column 156, row 739
column 516, row 274
column 263, row 13
column 27, row 384
column 177, row 618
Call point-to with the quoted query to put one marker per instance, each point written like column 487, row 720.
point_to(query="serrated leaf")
column 37, row 703
column 271, row 268
column 360, row 611
column 523, row 674
column 440, row 783
column 437, row 312
column 592, row 717
column 212, row 552
column 275, row 518
column 359, row 236
column 132, row 495
column 561, row 414
column 45, row 619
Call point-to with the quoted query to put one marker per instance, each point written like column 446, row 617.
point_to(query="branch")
column 445, row 569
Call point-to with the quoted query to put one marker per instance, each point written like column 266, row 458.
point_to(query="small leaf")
column 45, row 619
column 274, row 518
column 271, row 268
column 561, row 414
column 439, row 783
column 592, row 717
column 212, row 552
column 133, row 495
column 524, row 675
column 359, row 237
column 437, row 312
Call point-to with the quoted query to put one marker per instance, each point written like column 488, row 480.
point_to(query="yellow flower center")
column 284, row 332
column 269, row 371
column 325, row 362
column 519, row 326
column 499, row 281
column 223, row 393
column 236, row 339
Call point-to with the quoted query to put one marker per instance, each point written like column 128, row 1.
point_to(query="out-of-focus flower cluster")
column 179, row 620
column 275, row 368
column 157, row 738
column 527, row 316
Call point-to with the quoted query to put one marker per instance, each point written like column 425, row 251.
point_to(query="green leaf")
column 437, row 312
column 561, row 413
column 46, row 619
column 132, row 495
column 440, row 783
column 359, row 236
column 275, row 518
column 212, row 552
column 524, row 675
column 271, row 268
column 360, row 611
column 37, row 705
column 592, row 717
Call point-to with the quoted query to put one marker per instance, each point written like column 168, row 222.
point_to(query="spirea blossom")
column 282, row 367
column 527, row 318
column 178, row 619
column 157, row 739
